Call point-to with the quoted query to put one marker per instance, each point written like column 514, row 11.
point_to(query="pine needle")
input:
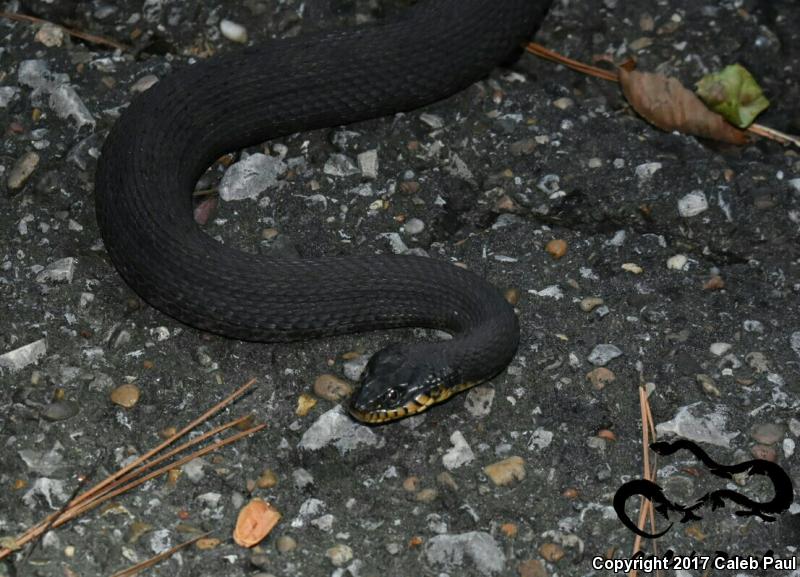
column 139, row 567
column 133, row 474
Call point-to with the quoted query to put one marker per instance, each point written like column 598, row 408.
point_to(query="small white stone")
column 677, row 262
column 459, row 454
column 23, row 356
column 413, row 226
column 432, row 120
column 595, row 162
column 251, row 176
column 647, row 170
column 50, row 35
column 22, row 170
column 603, row 354
column 233, row 31
column 720, row 349
column 563, row 103
column 144, row 83
column 788, row 447
column 693, row 204
column 632, row 268
column 368, row 164
column 61, row 270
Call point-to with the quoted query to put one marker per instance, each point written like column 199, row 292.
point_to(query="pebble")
column 512, row 296
column 677, row 262
column 336, row 428
column 305, row 404
column 708, row 385
column 340, row 165
column 557, row 248
column 427, row 495
column 368, row 164
column 506, row 471
column 413, row 226
column 590, row 303
column 446, row 480
column 233, row 31
column 476, row 549
column 434, row 121
column 332, row 388
column 563, row 103
column 60, row 410
column 254, row 522
column 353, row 367
column 50, row 35
column 794, row 427
column 251, row 176
column 551, row 552
column 715, row 283
column 595, row 162
column 302, row 478
column 126, row 395
column 285, row 544
column 603, row 354
column 693, row 204
column 61, row 270
column 709, row 427
column 632, row 268
column 207, row 543
column 647, row 170
column 478, row 401
column 600, row 377
column 339, row 554
column 794, row 342
column 411, row 484
column 764, row 452
column 768, row 433
column 23, row 356
column 22, row 170
column 7, row 94
column 788, row 447
column 532, row 568
column 459, row 454
column 267, row 479
column 522, row 147
column 720, row 349
column 144, row 83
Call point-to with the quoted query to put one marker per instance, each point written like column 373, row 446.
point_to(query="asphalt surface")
column 682, row 270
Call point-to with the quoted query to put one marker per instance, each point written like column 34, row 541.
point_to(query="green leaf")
column 734, row 94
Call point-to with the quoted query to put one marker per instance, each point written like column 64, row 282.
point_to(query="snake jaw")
column 420, row 403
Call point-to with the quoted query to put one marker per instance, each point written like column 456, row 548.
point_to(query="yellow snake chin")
column 420, row 403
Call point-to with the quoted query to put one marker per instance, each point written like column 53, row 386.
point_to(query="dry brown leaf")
column 666, row 103
column 255, row 521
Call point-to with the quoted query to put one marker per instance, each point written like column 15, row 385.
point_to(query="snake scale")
column 169, row 135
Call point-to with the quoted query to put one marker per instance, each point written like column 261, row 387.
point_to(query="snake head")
column 398, row 381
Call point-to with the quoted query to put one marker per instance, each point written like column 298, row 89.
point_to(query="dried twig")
column 93, row 38
column 134, row 570
column 547, row 54
column 132, row 475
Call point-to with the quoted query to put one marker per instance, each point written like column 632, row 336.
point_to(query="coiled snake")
column 170, row 134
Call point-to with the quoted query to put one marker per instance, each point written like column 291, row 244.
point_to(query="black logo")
column 782, row 484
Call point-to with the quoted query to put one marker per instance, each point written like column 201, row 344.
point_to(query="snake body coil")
column 169, row 135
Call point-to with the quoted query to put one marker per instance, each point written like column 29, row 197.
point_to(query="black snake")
column 170, row 134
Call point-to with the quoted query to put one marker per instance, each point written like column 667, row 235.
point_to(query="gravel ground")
column 682, row 269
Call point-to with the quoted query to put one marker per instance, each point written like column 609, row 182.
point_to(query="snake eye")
column 392, row 396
